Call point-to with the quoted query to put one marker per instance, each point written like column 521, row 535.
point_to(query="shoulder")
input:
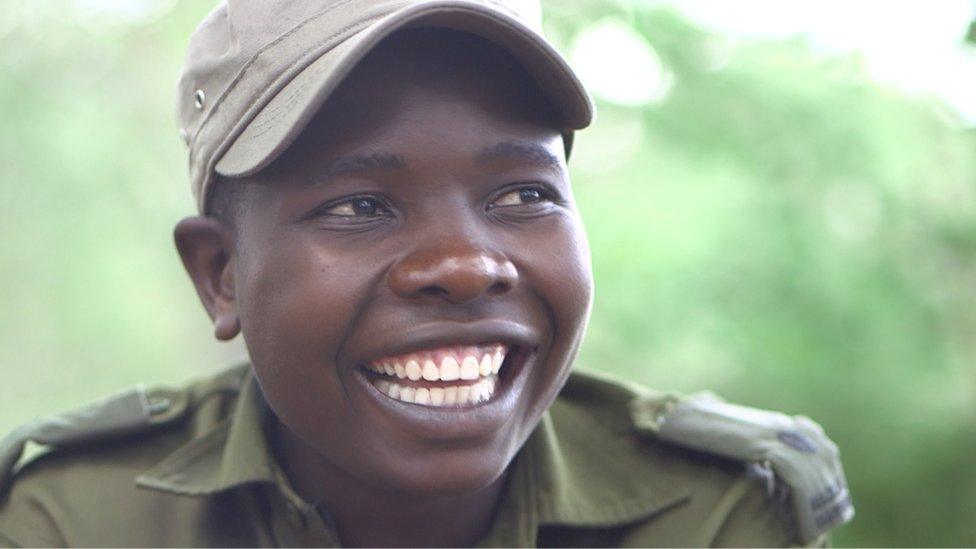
column 740, row 475
column 87, row 459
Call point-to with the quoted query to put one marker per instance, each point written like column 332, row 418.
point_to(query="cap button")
column 198, row 98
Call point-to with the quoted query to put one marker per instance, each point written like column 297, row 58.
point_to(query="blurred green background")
column 768, row 218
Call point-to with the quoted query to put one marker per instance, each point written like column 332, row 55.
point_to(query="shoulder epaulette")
column 793, row 449
column 128, row 412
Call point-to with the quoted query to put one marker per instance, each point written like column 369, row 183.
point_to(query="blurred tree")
column 797, row 236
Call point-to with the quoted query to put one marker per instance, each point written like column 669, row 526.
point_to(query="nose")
column 455, row 273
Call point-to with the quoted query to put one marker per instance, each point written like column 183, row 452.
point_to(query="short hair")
column 226, row 202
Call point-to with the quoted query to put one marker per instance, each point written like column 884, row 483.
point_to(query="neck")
column 370, row 516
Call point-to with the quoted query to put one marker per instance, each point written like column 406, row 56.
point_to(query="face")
column 412, row 278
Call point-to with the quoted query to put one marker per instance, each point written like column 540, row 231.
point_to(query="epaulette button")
column 165, row 406
column 159, row 405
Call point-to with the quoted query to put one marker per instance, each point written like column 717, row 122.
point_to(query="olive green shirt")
column 201, row 473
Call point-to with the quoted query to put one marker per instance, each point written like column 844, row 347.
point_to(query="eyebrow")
column 516, row 150
column 359, row 164
column 367, row 163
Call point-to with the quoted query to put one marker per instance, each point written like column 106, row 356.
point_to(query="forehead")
column 429, row 93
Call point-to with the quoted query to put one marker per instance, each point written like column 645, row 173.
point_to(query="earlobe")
column 226, row 327
column 207, row 248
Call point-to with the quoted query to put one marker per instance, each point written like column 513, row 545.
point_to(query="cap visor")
column 282, row 120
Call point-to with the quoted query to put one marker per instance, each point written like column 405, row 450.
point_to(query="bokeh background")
column 781, row 199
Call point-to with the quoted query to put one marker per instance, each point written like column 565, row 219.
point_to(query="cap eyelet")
column 198, row 99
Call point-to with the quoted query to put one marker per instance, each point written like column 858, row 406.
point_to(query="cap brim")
column 282, row 120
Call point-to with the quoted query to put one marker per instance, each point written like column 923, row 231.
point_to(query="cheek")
column 563, row 275
column 558, row 268
column 295, row 300
column 293, row 293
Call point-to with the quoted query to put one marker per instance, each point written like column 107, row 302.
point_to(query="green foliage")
column 779, row 228
column 799, row 237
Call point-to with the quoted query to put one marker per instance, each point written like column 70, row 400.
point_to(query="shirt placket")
column 295, row 523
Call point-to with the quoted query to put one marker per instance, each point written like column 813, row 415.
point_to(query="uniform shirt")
column 201, row 472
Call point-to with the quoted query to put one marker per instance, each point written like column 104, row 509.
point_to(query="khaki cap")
column 257, row 71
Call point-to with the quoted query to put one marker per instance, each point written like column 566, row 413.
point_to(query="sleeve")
column 747, row 516
column 7, row 542
column 24, row 520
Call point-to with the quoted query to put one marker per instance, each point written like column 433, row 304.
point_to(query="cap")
column 257, row 71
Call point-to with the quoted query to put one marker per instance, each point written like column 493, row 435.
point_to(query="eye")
column 362, row 206
column 521, row 197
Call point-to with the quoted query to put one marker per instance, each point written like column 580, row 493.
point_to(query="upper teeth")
column 468, row 364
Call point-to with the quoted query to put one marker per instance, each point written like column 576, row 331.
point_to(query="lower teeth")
column 454, row 396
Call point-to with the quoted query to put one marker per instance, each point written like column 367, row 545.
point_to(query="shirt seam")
column 250, row 62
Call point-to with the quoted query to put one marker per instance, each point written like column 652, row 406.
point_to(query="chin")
column 453, row 472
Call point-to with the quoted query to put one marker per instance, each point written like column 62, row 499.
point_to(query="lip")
column 449, row 423
column 442, row 334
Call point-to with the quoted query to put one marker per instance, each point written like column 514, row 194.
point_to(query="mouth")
column 456, row 376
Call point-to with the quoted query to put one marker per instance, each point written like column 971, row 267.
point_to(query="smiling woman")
column 391, row 228
column 434, row 138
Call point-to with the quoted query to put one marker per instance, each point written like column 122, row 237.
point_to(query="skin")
column 468, row 233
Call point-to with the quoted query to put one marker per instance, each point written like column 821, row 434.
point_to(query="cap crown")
column 246, row 51
column 250, row 36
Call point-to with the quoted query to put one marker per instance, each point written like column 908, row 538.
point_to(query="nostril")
column 433, row 291
column 499, row 288
column 453, row 276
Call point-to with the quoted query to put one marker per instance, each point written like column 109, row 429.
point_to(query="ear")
column 207, row 250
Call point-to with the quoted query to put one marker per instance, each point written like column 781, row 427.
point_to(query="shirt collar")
column 575, row 473
column 572, row 471
column 235, row 452
column 592, row 477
